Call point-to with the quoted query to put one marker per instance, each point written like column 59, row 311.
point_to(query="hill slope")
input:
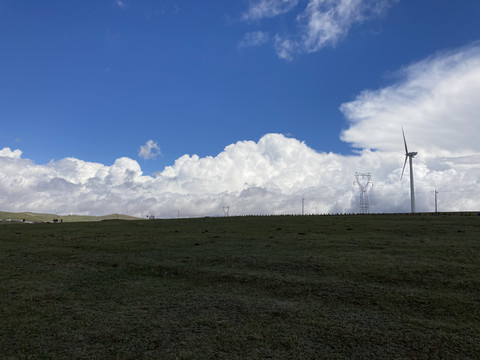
column 39, row 217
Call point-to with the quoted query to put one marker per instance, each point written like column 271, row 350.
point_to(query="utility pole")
column 436, row 208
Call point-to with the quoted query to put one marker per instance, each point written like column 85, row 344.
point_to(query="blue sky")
column 96, row 80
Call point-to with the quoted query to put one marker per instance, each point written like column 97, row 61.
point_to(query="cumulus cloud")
column 7, row 152
column 270, row 176
column 434, row 99
column 150, row 150
column 321, row 23
column 255, row 38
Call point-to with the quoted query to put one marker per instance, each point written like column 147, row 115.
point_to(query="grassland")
column 40, row 217
column 304, row 287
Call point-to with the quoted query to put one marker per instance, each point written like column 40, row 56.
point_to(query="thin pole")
column 303, row 206
column 436, row 208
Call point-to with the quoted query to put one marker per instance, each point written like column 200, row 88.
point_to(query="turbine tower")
column 364, row 208
column 409, row 156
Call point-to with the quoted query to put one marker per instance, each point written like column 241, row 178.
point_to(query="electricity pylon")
column 360, row 180
column 226, row 210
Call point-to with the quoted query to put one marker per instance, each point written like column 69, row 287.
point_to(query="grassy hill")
column 39, row 217
column 288, row 287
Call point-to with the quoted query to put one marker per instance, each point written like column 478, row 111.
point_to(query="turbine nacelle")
column 407, row 155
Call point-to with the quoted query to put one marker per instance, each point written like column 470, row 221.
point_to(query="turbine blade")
column 405, row 163
column 405, row 141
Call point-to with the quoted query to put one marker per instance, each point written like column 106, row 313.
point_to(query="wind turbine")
column 410, row 156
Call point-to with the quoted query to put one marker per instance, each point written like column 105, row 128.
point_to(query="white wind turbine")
column 410, row 156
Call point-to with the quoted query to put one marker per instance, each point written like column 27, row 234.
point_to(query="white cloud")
column 327, row 22
column 260, row 9
column 255, row 38
column 270, row 176
column 285, row 47
column 7, row 152
column 436, row 100
column 150, row 150
column 321, row 23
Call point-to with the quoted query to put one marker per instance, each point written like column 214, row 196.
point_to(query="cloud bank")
column 436, row 100
column 321, row 23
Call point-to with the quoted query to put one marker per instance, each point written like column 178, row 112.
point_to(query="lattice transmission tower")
column 363, row 181
column 226, row 211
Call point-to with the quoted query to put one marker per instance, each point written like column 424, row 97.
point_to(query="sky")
column 189, row 108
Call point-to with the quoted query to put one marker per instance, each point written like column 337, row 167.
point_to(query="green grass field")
column 39, row 217
column 289, row 287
